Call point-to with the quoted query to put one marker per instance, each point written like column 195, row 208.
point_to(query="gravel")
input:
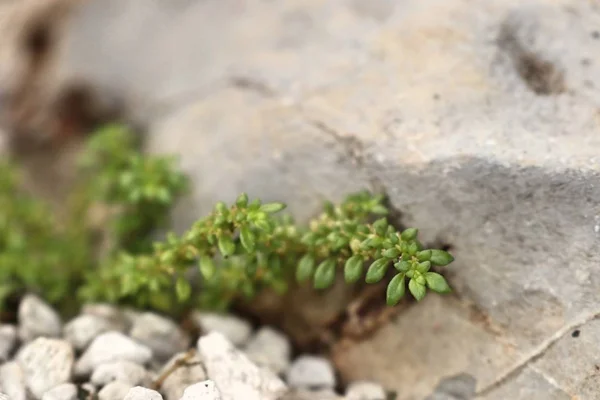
column 66, row 391
column 160, row 334
column 362, row 390
column 270, row 348
column 37, row 319
column 12, row 381
column 122, row 371
column 8, row 341
column 235, row 329
column 114, row 391
column 311, row 372
column 206, row 390
column 142, row 393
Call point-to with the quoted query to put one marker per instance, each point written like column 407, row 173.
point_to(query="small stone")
column 3, row 396
column 141, row 393
column 270, row 348
column 37, row 318
column 12, row 381
column 66, row 391
column 46, row 363
column 311, row 372
column 8, row 341
column 188, row 373
column 109, row 347
column 363, row 390
column 83, row 329
column 114, row 391
column 123, row 371
column 457, row 387
column 235, row 329
column 104, row 311
column 206, row 390
column 234, row 374
column 160, row 334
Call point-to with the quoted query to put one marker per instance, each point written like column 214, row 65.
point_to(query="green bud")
column 305, row 268
column 325, row 274
column 353, row 269
column 441, row 257
column 242, row 200
column 409, row 234
column 247, row 238
column 418, row 290
column 374, row 242
column 391, row 253
column 394, row 238
column 413, row 248
column 221, row 207
column 437, row 283
column 380, row 226
column 395, row 290
column 271, row 208
column 377, row 270
column 423, row 267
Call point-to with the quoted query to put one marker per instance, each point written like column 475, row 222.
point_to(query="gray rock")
column 269, row 348
column 106, row 311
column 109, row 347
column 37, row 318
column 188, row 373
column 459, row 387
column 66, row 391
column 311, row 372
column 160, row 334
column 234, row 374
column 364, row 390
column 12, row 381
column 83, row 329
column 114, row 391
column 206, row 390
column 141, row 393
column 46, row 363
column 235, row 329
column 123, row 371
column 8, row 341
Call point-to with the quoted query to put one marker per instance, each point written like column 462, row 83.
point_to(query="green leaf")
column 247, row 238
column 395, row 290
column 437, row 283
column 417, row 290
column 271, row 208
column 409, row 234
column 413, row 248
column 242, row 200
column 440, row 257
column 391, row 253
column 380, row 226
column 305, row 269
column 353, row 269
column 402, row 266
column 263, row 225
column 377, row 270
column 226, row 245
column 183, row 289
column 423, row 267
column 325, row 274
column 424, row 255
column 379, row 209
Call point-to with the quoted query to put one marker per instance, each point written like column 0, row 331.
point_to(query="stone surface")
column 185, row 375
column 12, row 381
column 311, row 372
column 206, row 390
column 160, row 334
column 123, row 371
column 109, row 347
column 235, row 329
column 459, row 387
column 234, row 374
column 141, row 393
column 114, row 390
column 363, row 390
column 66, row 391
column 478, row 120
column 8, row 341
column 83, row 329
column 303, row 394
column 269, row 348
column 37, row 318
column 46, row 363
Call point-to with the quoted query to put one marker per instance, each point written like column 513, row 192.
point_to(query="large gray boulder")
column 478, row 119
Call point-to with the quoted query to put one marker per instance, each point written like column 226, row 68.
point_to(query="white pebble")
column 36, row 319
column 141, row 393
column 83, row 329
column 123, row 371
column 311, row 372
column 66, row 391
column 12, row 381
column 114, row 391
column 8, row 341
column 160, row 334
column 206, row 390
column 109, row 347
column 235, row 329
column 363, row 390
column 46, row 363
column 270, row 348
column 3, row 396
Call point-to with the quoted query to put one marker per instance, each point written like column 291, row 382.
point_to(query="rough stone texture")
column 36, row 318
column 12, row 381
column 269, row 348
column 234, row 374
column 459, row 387
column 189, row 373
column 364, row 390
column 206, row 390
column 141, row 393
column 83, row 329
column 8, row 341
column 109, row 347
column 311, row 372
column 66, row 391
column 160, row 334
column 123, row 371
column 46, row 364
column 480, row 120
